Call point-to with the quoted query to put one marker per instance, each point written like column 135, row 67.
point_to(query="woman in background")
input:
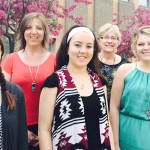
column 13, row 126
column 109, row 38
column 30, row 66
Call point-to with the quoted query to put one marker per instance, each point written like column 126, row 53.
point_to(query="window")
column 144, row 2
column 126, row 0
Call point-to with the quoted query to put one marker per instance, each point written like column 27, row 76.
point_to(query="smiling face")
column 143, row 47
column 108, row 43
column 34, row 33
column 81, row 49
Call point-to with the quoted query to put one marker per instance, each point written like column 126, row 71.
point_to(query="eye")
column 89, row 46
column 77, row 45
column 28, row 27
column 140, row 44
column 39, row 28
column 113, row 38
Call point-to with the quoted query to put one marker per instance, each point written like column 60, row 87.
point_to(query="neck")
column 108, row 58
column 145, row 65
column 77, row 71
column 33, row 50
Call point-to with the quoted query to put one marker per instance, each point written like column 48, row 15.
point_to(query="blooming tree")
column 13, row 11
column 141, row 17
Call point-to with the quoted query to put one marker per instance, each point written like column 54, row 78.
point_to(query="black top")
column 91, row 108
column 109, row 72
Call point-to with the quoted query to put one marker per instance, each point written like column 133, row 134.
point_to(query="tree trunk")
column 11, row 39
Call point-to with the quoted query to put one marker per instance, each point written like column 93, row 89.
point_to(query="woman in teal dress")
column 130, row 99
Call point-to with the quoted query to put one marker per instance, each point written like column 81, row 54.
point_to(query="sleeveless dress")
column 135, row 112
column 109, row 72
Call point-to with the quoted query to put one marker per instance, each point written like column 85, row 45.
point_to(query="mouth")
column 109, row 46
column 33, row 37
column 82, row 57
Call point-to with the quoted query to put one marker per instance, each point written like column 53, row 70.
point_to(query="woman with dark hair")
column 73, row 111
column 13, row 126
column 1, row 49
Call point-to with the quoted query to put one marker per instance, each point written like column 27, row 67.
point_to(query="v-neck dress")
column 135, row 112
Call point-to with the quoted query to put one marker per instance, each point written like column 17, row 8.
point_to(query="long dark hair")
column 2, row 49
column 10, row 101
column 62, row 57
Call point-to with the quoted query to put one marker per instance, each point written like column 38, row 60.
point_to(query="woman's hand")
column 33, row 139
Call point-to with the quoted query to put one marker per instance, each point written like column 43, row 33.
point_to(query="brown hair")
column 10, row 101
column 21, row 42
column 1, row 48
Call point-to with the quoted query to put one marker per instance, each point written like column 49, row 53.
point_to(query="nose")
column 146, row 47
column 83, row 49
column 109, row 40
column 33, row 30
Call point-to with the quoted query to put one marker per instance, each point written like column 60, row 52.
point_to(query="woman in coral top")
column 30, row 66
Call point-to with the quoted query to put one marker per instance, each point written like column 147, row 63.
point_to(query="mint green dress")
column 134, row 125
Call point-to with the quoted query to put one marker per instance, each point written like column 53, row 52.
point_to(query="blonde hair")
column 21, row 42
column 145, row 30
column 107, row 28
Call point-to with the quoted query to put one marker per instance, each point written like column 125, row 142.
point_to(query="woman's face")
column 81, row 49
column 143, row 47
column 34, row 33
column 108, row 43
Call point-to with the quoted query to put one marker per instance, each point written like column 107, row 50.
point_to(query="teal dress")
column 134, row 125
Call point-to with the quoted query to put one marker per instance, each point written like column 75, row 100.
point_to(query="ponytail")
column 10, row 100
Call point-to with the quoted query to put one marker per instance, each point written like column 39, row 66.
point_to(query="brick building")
column 99, row 13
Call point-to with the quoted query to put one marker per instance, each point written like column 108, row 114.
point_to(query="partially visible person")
column 109, row 38
column 130, row 99
column 13, row 125
column 30, row 66
column 72, row 112
column 1, row 50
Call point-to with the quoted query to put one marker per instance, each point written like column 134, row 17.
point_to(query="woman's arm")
column 116, row 93
column 46, row 111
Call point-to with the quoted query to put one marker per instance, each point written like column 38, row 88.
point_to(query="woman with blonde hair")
column 130, row 99
column 109, row 38
column 30, row 66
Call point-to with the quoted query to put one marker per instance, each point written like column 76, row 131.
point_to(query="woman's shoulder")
column 14, row 88
column 11, row 55
column 126, row 68
column 52, row 54
column 51, row 81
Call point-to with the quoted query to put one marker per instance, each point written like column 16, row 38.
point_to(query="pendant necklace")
column 33, row 85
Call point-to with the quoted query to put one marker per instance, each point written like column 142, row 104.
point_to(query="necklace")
column 109, row 64
column 33, row 85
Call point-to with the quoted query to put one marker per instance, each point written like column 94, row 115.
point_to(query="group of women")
column 62, row 103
